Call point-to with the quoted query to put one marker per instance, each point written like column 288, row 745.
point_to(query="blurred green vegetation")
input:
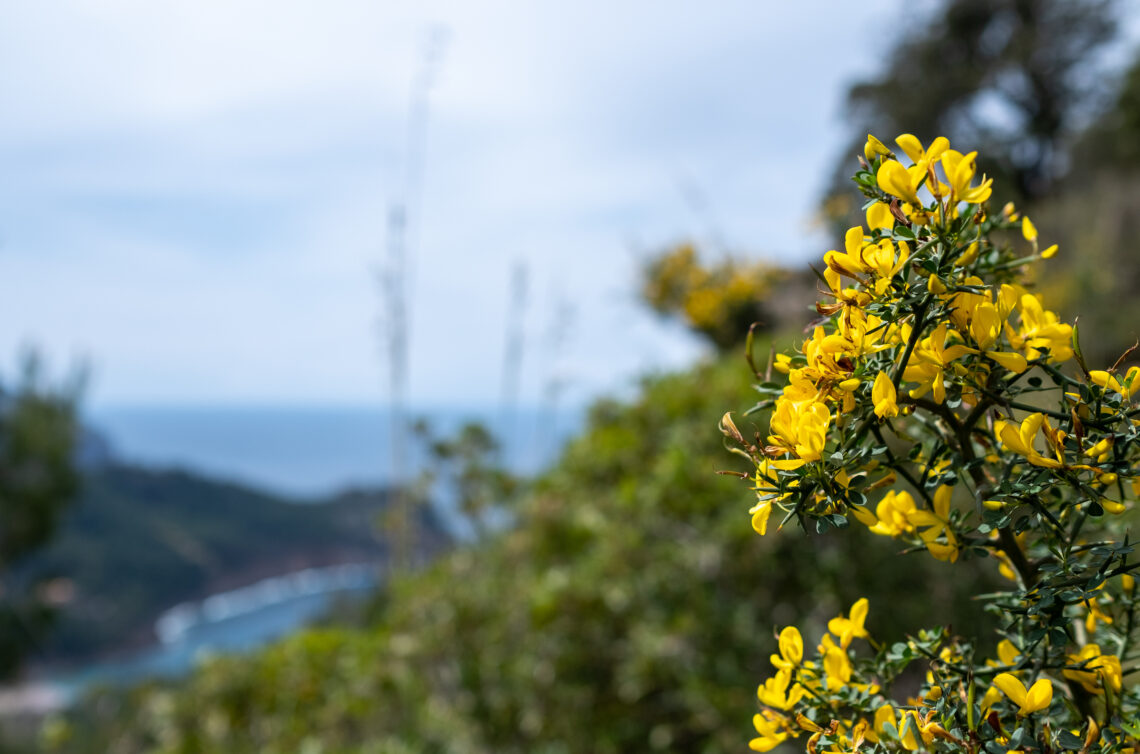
column 630, row 607
column 1095, row 215
column 38, row 479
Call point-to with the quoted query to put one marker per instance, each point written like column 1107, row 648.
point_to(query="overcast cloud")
column 194, row 193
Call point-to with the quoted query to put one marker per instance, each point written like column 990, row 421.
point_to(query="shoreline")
column 44, row 690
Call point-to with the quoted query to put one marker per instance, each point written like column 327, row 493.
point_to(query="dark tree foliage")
column 1113, row 141
column 38, row 480
column 1094, row 214
column 1013, row 77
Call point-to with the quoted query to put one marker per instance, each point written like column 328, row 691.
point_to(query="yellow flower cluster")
column 833, row 671
column 897, row 514
column 904, row 182
column 980, row 333
column 913, row 728
column 1096, row 672
column 795, row 676
column 935, row 365
column 710, row 299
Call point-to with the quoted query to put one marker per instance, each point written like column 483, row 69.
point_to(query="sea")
column 306, row 454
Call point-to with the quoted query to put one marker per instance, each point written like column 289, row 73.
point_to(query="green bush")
column 629, row 608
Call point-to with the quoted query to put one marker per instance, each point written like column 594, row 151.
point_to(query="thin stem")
column 915, row 335
column 1128, row 631
column 1045, row 512
column 893, row 462
column 1009, row 545
column 1057, row 373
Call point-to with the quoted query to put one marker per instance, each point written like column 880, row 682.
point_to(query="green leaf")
column 1067, row 740
column 838, row 520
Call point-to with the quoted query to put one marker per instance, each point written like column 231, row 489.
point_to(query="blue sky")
column 195, row 193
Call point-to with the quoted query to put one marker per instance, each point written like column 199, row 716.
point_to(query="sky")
column 195, row 194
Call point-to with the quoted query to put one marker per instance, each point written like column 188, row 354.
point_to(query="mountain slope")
column 139, row 541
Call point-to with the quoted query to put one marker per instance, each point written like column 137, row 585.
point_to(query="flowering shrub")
column 717, row 301
column 940, row 403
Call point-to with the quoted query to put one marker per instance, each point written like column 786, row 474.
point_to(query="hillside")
column 139, row 541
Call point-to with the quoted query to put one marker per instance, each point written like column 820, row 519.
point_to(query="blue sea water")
column 236, row 621
column 308, row 452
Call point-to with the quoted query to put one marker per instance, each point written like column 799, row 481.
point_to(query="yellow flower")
column 880, row 259
column 1013, row 362
column 1036, row 698
column 773, row 730
column 1028, row 229
column 968, row 256
column 879, row 216
column 765, row 486
column 791, row 645
column 1093, row 735
column 1126, row 387
column 800, row 428
column 897, row 515
column 875, row 148
column 928, row 729
column 1095, row 614
column 776, row 693
column 1098, row 672
column 836, row 664
column 1020, row 439
column 928, row 362
column 922, row 157
column 936, row 525
column 850, row 627
column 1040, row 329
column 959, row 171
column 900, row 182
column 986, row 324
column 1112, row 506
column 906, row 727
column 1101, row 450
column 861, row 333
column 801, row 387
column 851, row 262
column 884, row 396
column 761, row 512
column 1007, row 652
column 991, row 697
column 1005, row 565
column 893, row 513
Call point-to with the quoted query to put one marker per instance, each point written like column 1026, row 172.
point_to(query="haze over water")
column 307, row 452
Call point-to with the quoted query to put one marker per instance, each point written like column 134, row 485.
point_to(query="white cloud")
column 195, row 192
